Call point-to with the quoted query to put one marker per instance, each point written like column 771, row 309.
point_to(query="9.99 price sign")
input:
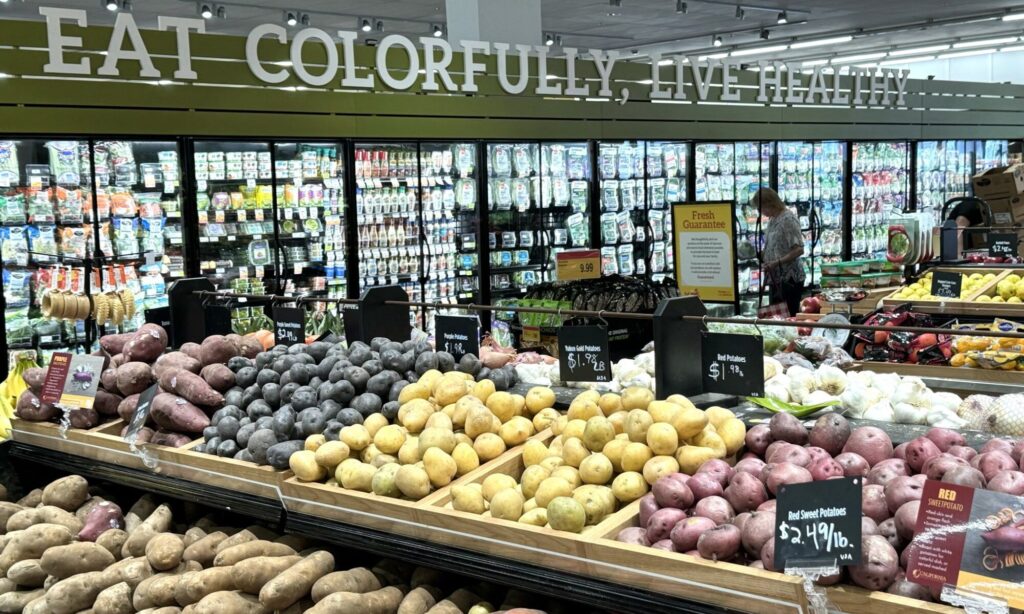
column 583, row 354
column 579, row 264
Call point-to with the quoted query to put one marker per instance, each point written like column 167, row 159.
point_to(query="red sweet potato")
column 192, row 349
column 191, row 387
column 167, row 438
column 218, row 376
column 133, row 377
column 107, row 402
column 175, row 360
column 126, row 407
column 146, row 345
column 175, row 413
column 34, row 378
column 114, row 344
column 31, row 408
column 217, row 349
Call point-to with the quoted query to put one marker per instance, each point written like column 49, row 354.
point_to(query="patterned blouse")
column 782, row 235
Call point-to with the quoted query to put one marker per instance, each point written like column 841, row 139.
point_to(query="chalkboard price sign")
column 946, row 284
column 818, row 524
column 289, row 325
column 583, row 354
column 458, row 335
column 733, row 364
column 1002, row 245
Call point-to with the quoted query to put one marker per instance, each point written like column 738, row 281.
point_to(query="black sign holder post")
column 378, row 319
column 188, row 319
column 677, row 342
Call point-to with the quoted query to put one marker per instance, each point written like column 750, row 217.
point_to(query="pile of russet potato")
column 66, row 549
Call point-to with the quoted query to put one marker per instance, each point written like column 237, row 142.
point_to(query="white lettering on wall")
column 56, row 42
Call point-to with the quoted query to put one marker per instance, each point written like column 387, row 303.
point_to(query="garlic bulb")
column 857, row 398
column 942, row 400
column 886, row 382
column 772, row 368
column 881, row 411
column 864, row 378
column 776, row 391
column 945, row 418
column 819, row 396
column 801, row 383
column 906, row 413
column 910, row 390
column 830, row 379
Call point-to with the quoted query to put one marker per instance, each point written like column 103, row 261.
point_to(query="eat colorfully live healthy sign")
column 431, row 68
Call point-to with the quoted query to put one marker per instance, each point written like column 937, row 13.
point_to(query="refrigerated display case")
column 735, row 171
column 989, row 154
column 538, row 205
column 810, row 180
column 880, row 191
column 448, row 192
column 943, row 171
column 639, row 180
column 390, row 236
column 309, row 186
column 235, row 211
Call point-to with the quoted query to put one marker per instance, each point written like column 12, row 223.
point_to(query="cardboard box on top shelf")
column 1007, row 211
column 1000, row 182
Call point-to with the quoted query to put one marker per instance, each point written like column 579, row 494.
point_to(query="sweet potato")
column 879, row 564
column 190, row 387
column 217, row 349
column 134, row 377
column 167, row 438
column 192, row 349
column 146, row 345
column 114, row 344
column 871, row 443
column 83, row 418
column 34, row 377
column 296, row 581
column 126, row 408
column 175, row 360
column 257, row 571
column 249, row 347
column 218, row 376
column 67, row 493
column 248, row 550
column 80, row 557
column 175, row 413
column 381, row 601
column 30, row 408
column 107, row 402
column 357, row 580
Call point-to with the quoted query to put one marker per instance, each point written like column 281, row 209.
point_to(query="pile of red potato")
column 727, row 513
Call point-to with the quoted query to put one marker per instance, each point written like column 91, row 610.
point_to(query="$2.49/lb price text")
column 823, row 535
column 817, row 524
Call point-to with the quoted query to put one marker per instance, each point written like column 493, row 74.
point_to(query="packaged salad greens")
column 64, row 164
column 14, row 245
column 609, row 265
column 10, row 173
column 69, row 206
column 74, row 242
column 579, row 233
column 12, row 208
column 42, row 243
column 39, row 207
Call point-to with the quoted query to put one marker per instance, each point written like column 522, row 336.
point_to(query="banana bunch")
column 11, row 388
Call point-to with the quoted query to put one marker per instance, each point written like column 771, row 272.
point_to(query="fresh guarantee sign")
column 430, row 70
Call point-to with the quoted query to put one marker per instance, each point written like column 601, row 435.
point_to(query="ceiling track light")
column 222, row 12
column 304, row 19
column 379, row 26
column 681, row 7
column 206, row 11
column 438, row 30
column 782, row 18
column 765, row 34
column 740, row 13
column 549, row 39
column 127, row 6
column 110, row 5
column 716, row 41
column 614, row 2
column 290, row 18
column 365, row 25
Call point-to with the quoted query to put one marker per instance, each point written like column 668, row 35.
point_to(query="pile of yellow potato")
column 447, row 426
column 607, row 452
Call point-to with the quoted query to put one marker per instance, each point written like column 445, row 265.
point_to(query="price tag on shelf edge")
column 458, row 335
column 583, row 354
column 289, row 325
column 531, row 334
column 732, row 364
column 578, row 264
column 946, row 284
column 817, row 525
column 1002, row 245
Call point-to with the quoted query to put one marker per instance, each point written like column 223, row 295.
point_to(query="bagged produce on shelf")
column 913, row 348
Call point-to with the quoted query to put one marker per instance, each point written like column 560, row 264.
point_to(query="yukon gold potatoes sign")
column 429, row 64
column 705, row 242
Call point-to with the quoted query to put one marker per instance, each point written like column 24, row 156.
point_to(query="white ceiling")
column 645, row 26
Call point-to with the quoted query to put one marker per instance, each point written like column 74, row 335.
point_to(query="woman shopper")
column 783, row 246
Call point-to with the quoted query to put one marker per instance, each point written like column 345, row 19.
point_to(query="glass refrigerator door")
column 880, row 191
column 388, row 214
column 516, row 247
column 565, row 209
column 46, row 219
column 448, row 191
column 141, row 229
column 235, row 207
column 310, row 190
column 623, row 204
column 989, row 154
column 943, row 172
column 666, row 168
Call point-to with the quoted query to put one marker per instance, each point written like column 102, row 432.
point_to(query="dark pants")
column 789, row 292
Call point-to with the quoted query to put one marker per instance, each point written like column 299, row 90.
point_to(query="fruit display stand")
column 977, row 303
column 590, row 567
